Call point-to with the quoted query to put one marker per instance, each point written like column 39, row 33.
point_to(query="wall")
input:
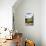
column 30, row 32
column 43, row 22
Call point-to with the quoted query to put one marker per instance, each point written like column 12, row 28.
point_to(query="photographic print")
column 29, row 19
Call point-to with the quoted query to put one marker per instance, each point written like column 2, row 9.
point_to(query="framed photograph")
column 29, row 18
